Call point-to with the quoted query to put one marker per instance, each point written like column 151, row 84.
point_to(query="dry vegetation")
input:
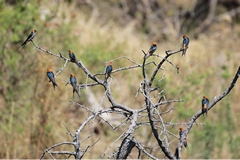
column 32, row 116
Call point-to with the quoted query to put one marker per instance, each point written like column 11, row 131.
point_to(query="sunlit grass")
column 207, row 69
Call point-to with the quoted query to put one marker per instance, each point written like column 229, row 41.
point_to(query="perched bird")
column 185, row 45
column 181, row 131
column 205, row 103
column 30, row 37
column 108, row 71
column 73, row 58
column 51, row 78
column 73, row 82
column 177, row 66
column 152, row 49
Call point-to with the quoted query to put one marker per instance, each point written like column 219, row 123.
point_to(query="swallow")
column 73, row 57
column 181, row 132
column 152, row 49
column 30, row 37
column 185, row 45
column 108, row 71
column 51, row 78
column 177, row 67
column 73, row 82
column 205, row 103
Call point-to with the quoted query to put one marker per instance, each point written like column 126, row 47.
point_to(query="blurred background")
column 32, row 113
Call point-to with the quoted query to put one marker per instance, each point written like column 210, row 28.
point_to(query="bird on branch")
column 73, row 82
column 152, row 49
column 181, row 131
column 51, row 78
column 185, row 45
column 177, row 66
column 108, row 71
column 205, row 103
column 73, row 58
column 30, row 37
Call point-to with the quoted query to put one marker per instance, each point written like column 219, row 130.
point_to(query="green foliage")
column 234, row 144
column 205, row 140
column 225, row 73
column 161, row 84
column 183, row 111
column 31, row 101
column 194, row 79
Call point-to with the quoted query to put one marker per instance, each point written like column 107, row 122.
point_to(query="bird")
column 51, row 78
column 205, row 103
column 152, row 49
column 177, row 66
column 185, row 45
column 73, row 82
column 30, row 37
column 73, row 57
column 108, row 71
column 181, row 132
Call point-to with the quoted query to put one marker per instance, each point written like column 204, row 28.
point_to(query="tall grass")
column 33, row 113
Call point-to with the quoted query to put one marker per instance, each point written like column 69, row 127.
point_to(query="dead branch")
column 199, row 113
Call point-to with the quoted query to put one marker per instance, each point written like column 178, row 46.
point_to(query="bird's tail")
column 185, row 143
column 55, row 84
column 59, row 88
column 203, row 111
column 78, row 94
column 24, row 43
column 184, row 52
column 106, row 77
column 75, row 90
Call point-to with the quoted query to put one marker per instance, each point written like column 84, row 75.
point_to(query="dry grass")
column 201, row 73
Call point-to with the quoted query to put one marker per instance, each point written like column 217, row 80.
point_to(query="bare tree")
column 150, row 112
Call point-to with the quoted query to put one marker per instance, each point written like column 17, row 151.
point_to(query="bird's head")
column 70, row 51
column 204, row 97
column 110, row 63
column 180, row 129
column 154, row 43
column 184, row 36
column 49, row 70
column 72, row 75
column 34, row 31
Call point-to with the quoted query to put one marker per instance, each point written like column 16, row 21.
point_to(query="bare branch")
column 62, row 152
column 49, row 52
column 103, row 155
column 85, row 151
column 68, row 132
column 199, row 113
column 140, row 147
column 126, row 147
column 166, row 102
column 169, row 53
column 56, row 145
column 66, row 61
